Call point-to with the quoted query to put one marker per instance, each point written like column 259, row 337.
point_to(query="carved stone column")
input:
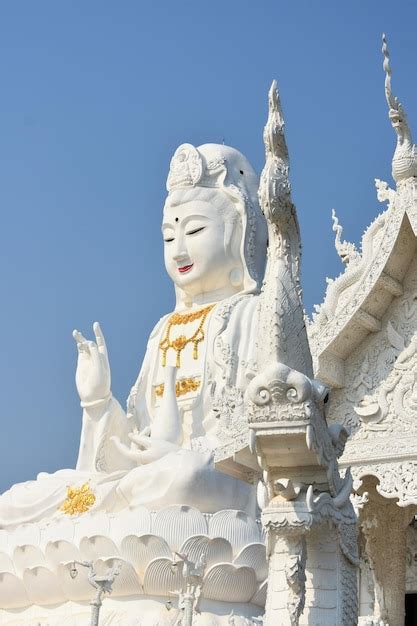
column 309, row 511
column 384, row 526
column 287, row 553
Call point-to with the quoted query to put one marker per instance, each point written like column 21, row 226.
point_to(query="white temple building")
column 264, row 470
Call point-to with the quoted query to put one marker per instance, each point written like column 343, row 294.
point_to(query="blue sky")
column 95, row 97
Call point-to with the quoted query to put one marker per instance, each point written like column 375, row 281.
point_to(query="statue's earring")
column 236, row 277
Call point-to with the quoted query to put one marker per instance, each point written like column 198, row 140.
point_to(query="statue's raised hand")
column 93, row 377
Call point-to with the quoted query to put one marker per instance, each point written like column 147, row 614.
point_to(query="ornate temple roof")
column 356, row 301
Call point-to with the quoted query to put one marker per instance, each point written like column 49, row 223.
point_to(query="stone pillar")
column 384, row 526
column 95, row 609
column 312, row 567
column 286, row 579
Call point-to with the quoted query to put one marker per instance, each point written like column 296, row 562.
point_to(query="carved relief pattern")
column 380, row 391
column 396, row 480
column 356, row 282
column 349, row 604
column 295, row 566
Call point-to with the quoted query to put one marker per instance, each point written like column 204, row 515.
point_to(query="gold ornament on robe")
column 182, row 387
column 79, row 500
column 178, row 344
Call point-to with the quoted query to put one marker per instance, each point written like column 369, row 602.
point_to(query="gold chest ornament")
column 179, row 343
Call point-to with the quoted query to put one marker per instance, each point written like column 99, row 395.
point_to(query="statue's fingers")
column 101, row 342
column 127, row 452
column 79, row 336
column 82, row 343
column 147, row 456
column 95, row 356
column 141, row 441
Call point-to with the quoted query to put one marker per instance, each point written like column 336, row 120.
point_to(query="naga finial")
column 281, row 313
column 404, row 163
column 346, row 250
column 275, row 189
column 274, row 137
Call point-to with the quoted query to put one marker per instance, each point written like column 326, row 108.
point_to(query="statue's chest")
column 182, row 344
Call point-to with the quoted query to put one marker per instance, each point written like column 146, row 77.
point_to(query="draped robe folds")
column 184, row 476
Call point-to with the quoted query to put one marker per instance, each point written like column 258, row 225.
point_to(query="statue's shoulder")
column 237, row 305
column 158, row 327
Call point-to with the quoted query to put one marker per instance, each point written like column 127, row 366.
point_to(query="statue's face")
column 200, row 241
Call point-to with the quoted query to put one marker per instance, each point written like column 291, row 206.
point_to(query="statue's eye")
column 195, row 230
column 168, row 239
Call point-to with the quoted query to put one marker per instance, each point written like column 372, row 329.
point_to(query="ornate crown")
column 189, row 168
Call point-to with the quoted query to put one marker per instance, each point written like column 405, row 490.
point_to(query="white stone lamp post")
column 102, row 584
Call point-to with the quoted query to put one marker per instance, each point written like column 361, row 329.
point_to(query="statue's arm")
column 102, row 416
column 97, row 451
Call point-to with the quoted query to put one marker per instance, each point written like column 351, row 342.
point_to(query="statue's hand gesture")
column 92, row 377
column 144, row 449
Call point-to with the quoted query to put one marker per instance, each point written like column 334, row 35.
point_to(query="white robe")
column 185, row 476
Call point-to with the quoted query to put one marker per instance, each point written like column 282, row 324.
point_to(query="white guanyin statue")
column 170, row 488
column 161, row 451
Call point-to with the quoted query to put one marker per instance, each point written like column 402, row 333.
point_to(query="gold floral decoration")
column 79, row 500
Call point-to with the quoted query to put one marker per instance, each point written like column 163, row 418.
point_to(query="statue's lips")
column 185, row 268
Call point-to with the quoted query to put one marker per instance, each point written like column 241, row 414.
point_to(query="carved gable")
column 367, row 351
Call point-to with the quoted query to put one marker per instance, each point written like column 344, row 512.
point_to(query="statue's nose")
column 180, row 256
column 180, row 252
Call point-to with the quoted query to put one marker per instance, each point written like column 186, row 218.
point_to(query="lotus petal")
column 130, row 521
column 161, row 577
column 42, row 586
column 4, row 541
column 260, row 596
column 97, row 547
column 214, row 550
column 6, row 563
column 126, row 583
column 218, row 551
column 12, row 592
column 195, row 547
column 235, row 526
column 27, row 556
column 60, row 552
column 254, row 556
column 142, row 550
column 90, row 524
column 226, row 583
column 25, row 534
column 176, row 523
column 78, row 588
column 61, row 528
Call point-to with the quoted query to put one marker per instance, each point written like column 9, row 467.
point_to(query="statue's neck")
column 208, row 297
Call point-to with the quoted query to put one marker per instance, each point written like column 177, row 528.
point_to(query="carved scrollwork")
column 278, row 384
column 396, row 480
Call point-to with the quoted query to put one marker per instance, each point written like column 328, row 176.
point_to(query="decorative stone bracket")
column 299, row 454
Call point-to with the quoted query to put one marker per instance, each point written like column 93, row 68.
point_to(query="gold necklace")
column 178, row 344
